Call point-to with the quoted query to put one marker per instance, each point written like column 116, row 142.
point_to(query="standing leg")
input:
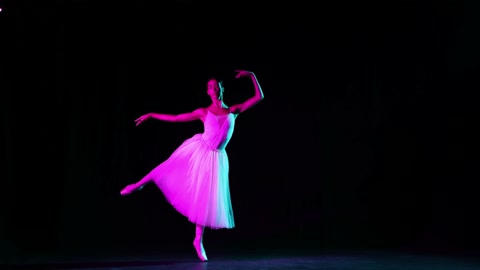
column 198, row 243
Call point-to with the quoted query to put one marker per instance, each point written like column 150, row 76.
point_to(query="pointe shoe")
column 200, row 250
column 130, row 189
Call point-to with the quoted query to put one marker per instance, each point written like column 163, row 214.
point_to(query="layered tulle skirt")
column 194, row 180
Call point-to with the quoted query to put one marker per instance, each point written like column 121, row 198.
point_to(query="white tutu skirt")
column 194, row 180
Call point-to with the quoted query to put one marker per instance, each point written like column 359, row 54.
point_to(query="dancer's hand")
column 243, row 73
column 143, row 118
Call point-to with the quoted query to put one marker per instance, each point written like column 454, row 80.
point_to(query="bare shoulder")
column 201, row 113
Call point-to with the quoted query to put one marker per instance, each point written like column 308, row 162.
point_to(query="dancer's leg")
column 136, row 186
column 198, row 243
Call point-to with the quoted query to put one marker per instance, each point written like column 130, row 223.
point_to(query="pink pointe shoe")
column 200, row 251
column 130, row 189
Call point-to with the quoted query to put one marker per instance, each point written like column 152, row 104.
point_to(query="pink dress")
column 194, row 179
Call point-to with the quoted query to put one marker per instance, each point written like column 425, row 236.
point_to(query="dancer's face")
column 215, row 89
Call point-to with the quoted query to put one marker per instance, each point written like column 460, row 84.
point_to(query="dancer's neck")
column 219, row 104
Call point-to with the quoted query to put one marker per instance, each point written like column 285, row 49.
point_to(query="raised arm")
column 239, row 108
column 184, row 117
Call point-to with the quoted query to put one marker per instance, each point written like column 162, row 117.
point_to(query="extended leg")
column 136, row 186
column 198, row 243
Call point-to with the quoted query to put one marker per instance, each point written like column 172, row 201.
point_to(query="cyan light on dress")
column 194, row 179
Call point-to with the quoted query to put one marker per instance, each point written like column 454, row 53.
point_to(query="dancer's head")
column 215, row 89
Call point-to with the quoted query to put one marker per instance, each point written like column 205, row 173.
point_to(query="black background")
column 367, row 136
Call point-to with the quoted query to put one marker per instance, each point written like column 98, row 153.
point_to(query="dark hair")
column 220, row 82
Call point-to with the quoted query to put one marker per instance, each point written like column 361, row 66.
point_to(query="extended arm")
column 239, row 108
column 184, row 117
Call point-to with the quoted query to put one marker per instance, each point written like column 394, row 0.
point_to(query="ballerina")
column 194, row 179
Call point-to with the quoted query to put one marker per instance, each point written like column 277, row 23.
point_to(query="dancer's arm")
column 184, row 117
column 239, row 108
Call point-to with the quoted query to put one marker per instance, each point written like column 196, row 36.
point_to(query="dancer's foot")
column 200, row 251
column 130, row 189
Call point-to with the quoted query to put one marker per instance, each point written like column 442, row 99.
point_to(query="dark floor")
column 240, row 260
